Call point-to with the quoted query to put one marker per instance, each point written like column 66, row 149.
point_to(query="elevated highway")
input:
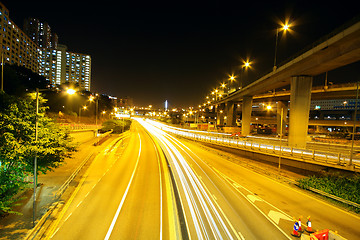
column 334, row 52
column 338, row 91
column 338, row 49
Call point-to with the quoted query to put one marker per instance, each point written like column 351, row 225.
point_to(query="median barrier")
column 102, row 138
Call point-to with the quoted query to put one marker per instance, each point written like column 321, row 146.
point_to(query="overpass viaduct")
column 335, row 51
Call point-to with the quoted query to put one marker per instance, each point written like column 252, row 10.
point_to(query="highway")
column 151, row 185
column 121, row 196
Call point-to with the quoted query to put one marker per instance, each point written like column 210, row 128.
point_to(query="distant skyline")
column 179, row 51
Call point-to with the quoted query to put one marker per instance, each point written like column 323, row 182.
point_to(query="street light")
column 284, row 28
column 244, row 67
column 230, row 80
column 69, row 91
column 84, row 108
column 215, row 93
column 91, row 99
column 246, row 64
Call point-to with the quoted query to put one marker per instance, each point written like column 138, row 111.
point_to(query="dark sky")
column 180, row 50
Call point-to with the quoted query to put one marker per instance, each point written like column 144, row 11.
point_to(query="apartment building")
column 37, row 48
column 16, row 47
column 40, row 33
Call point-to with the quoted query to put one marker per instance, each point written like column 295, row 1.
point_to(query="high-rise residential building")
column 78, row 69
column 16, row 47
column 40, row 33
column 37, row 48
column 60, row 66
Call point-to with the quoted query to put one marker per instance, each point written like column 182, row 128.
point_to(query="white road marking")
column 108, row 234
column 196, row 194
column 254, row 198
column 276, row 216
column 161, row 196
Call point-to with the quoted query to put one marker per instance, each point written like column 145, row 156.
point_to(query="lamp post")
column 244, row 67
column 84, row 107
column 230, row 80
column 215, row 93
column 91, row 99
column 284, row 28
column 35, row 159
column 69, row 91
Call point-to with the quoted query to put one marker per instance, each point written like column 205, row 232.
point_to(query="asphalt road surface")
column 161, row 187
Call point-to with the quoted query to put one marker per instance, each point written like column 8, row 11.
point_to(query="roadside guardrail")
column 337, row 160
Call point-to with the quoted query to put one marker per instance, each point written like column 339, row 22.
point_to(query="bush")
column 344, row 187
column 118, row 126
column 11, row 182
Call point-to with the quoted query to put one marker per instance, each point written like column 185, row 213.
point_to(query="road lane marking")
column 276, row 216
column 204, row 199
column 68, row 217
column 241, row 236
column 161, row 196
column 190, row 180
column 178, row 143
column 228, row 179
column 180, row 230
column 108, row 234
column 52, row 233
column 254, row 198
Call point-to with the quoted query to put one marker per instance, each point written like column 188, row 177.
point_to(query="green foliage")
column 344, row 187
column 11, row 181
column 118, row 126
column 18, row 146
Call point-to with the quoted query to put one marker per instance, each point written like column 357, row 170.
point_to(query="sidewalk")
column 16, row 226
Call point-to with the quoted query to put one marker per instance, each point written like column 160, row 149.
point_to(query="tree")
column 18, row 145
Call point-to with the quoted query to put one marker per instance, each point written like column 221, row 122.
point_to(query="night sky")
column 180, row 50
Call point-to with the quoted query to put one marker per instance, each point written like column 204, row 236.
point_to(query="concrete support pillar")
column 220, row 114
column 246, row 115
column 230, row 110
column 300, row 98
column 281, row 105
column 353, row 117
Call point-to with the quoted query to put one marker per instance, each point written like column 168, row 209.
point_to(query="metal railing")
column 337, row 160
column 76, row 126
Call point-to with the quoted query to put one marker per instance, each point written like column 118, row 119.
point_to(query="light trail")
column 246, row 142
column 206, row 216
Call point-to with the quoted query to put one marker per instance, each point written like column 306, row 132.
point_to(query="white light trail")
column 205, row 214
column 247, row 142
